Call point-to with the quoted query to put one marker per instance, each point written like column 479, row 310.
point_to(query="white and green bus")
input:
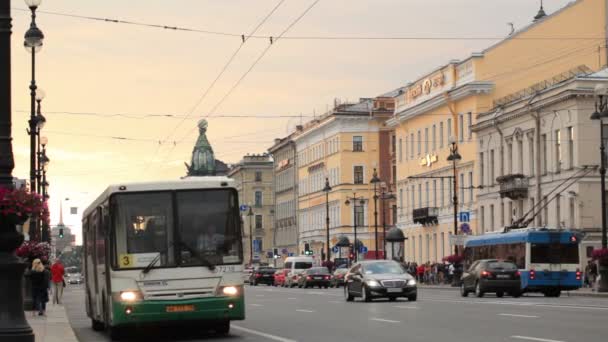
column 164, row 252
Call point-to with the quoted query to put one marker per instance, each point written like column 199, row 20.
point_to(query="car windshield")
column 501, row 265
column 318, row 270
column 383, row 268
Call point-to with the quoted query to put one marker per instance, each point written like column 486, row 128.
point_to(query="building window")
column 471, row 186
column 412, row 145
column 482, row 216
column 502, row 214
column 434, row 138
column 461, row 186
column 509, row 157
column 394, row 209
column 441, row 134
column 449, row 128
column 558, row 211
column 359, row 215
column 434, row 193
column 258, row 221
column 413, row 203
column 258, row 176
column 426, row 140
column 401, row 201
column 470, row 126
column 442, row 245
column 492, row 217
column 358, row 175
column 492, row 167
column 393, row 139
column 520, row 155
column 572, row 213
column 481, row 169
column 258, row 198
column 406, row 148
column 461, row 128
column 543, row 140
column 570, row 147
column 442, row 193
column 531, row 155
column 558, row 151
column 546, row 211
column 394, row 174
column 419, row 142
column 420, row 195
column 400, row 151
column 357, row 143
column 426, row 189
column 511, row 214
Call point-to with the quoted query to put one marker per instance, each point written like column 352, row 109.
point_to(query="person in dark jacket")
column 40, row 279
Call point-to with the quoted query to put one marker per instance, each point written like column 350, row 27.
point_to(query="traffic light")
column 61, row 233
column 275, row 253
column 307, row 250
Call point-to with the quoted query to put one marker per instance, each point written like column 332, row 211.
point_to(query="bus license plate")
column 179, row 308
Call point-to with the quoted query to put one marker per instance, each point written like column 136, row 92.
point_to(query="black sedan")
column 316, row 276
column 337, row 278
column 491, row 275
column 262, row 275
column 379, row 279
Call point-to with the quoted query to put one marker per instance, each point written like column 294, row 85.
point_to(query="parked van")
column 296, row 265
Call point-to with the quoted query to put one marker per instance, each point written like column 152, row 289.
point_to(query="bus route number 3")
column 126, row 260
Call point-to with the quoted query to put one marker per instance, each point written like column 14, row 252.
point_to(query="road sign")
column 465, row 228
column 244, row 207
column 335, row 249
column 363, row 249
column 290, row 254
column 465, row 216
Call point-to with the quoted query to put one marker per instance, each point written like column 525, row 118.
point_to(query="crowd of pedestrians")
column 431, row 273
column 42, row 279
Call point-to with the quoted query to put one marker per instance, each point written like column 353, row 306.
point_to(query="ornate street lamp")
column 327, row 189
column 375, row 180
column 362, row 203
column 601, row 113
column 13, row 325
column 454, row 157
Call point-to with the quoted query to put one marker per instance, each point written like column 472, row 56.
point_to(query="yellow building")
column 444, row 104
column 342, row 146
column 253, row 178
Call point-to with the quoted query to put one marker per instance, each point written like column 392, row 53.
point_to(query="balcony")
column 426, row 216
column 513, row 186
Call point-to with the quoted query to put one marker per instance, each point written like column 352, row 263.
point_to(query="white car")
column 74, row 278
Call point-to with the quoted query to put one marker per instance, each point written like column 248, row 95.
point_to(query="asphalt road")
column 286, row 315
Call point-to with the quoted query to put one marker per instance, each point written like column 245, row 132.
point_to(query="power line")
column 240, row 35
column 169, row 116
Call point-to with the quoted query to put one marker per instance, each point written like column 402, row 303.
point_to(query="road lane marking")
column 256, row 304
column 585, row 307
column 302, row 310
column 292, row 298
column 534, row 339
column 263, row 334
column 515, row 315
column 406, row 307
column 259, row 295
column 384, row 320
column 335, row 301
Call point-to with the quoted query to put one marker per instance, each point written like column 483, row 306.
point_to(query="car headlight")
column 230, row 290
column 411, row 282
column 372, row 283
column 130, row 296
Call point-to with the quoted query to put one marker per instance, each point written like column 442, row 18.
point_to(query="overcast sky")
column 106, row 68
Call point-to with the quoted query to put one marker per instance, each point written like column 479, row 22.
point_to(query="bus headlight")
column 230, row 291
column 130, row 296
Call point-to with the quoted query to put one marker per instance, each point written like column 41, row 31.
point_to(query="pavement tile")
column 54, row 327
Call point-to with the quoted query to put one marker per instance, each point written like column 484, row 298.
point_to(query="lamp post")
column 39, row 124
column 384, row 196
column 13, row 326
column 33, row 43
column 250, row 214
column 375, row 180
column 361, row 202
column 600, row 113
column 327, row 189
column 454, row 157
column 43, row 162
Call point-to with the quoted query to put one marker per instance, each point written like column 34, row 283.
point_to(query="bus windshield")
column 554, row 253
column 203, row 228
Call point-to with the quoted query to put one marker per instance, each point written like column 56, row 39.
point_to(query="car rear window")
column 507, row 266
column 302, row 265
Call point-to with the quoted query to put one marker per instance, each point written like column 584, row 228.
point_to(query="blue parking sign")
column 363, row 249
column 465, row 216
column 243, row 207
column 335, row 249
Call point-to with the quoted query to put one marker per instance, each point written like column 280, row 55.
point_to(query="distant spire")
column 541, row 12
column 60, row 213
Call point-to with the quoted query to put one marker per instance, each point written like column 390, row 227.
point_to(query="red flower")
column 21, row 203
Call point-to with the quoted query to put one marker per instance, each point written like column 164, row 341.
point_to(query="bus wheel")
column 223, row 328
column 97, row 325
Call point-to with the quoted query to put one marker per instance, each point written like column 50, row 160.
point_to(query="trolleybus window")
column 554, row 253
column 208, row 227
column 143, row 229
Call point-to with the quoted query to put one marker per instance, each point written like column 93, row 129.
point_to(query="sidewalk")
column 54, row 327
column 583, row 292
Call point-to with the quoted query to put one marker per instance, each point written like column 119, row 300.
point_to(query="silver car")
column 379, row 279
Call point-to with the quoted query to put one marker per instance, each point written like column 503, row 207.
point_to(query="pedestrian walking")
column 39, row 278
column 57, row 272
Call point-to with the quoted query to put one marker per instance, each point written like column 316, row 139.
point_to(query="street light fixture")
column 327, row 189
column 454, row 157
column 601, row 113
column 250, row 214
column 362, row 203
column 375, row 180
